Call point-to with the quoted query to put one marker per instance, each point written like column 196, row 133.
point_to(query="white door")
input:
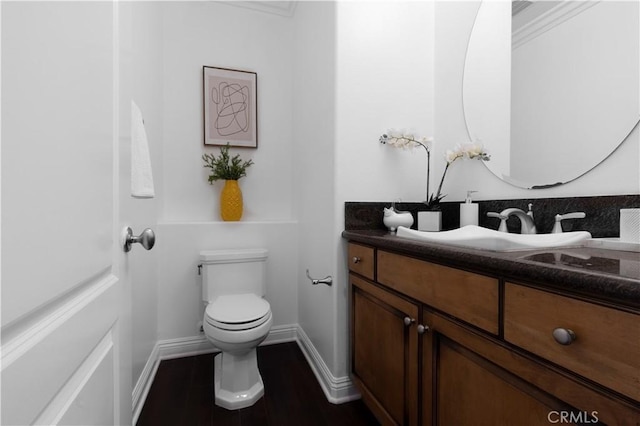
column 66, row 348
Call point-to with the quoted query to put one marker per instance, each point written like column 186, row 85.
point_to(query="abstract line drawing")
column 232, row 112
column 230, row 107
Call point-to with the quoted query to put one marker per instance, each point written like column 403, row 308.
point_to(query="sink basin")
column 478, row 237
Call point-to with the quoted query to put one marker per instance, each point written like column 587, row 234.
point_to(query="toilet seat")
column 238, row 312
column 238, row 326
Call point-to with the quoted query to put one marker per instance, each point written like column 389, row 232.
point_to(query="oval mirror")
column 552, row 88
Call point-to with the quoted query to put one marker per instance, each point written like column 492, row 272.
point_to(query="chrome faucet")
column 526, row 221
column 527, row 226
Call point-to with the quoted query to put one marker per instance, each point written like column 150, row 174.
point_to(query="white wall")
column 141, row 80
column 351, row 83
column 314, row 169
column 384, row 79
column 217, row 34
column 618, row 174
column 221, row 35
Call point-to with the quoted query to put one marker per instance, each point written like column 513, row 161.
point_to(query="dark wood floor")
column 182, row 394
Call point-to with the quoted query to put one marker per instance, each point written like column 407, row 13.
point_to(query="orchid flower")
column 470, row 150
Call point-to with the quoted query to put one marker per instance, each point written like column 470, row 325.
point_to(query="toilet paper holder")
column 327, row 280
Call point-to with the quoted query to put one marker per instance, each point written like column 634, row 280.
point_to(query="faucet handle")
column 503, row 220
column 557, row 227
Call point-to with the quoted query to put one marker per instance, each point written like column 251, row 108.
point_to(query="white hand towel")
column 141, row 175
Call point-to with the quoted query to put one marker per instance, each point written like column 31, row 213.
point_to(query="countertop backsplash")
column 602, row 220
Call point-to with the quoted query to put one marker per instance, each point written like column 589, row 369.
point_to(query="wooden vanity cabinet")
column 471, row 378
column 462, row 384
column 429, row 347
column 385, row 352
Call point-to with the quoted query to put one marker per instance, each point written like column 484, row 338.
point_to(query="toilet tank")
column 233, row 271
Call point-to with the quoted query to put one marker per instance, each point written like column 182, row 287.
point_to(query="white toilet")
column 236, row 320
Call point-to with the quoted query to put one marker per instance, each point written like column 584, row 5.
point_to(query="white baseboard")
column 337, row 389
column 281, row 334
column 141, row 390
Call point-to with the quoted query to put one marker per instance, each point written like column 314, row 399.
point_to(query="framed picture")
column 230, row 107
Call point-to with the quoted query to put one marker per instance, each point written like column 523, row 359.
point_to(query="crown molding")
column 548, row 20
column 280, row 8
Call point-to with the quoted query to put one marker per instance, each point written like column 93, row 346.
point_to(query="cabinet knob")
column 356, row 259
column 408, row 321
column 422, row 328
column 564, row 336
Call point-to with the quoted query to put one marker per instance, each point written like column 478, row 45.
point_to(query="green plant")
column 225, row 167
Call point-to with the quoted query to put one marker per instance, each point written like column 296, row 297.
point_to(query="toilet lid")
column 237, row 309
column 239, row 326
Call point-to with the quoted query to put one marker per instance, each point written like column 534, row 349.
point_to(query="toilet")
column 236, row 320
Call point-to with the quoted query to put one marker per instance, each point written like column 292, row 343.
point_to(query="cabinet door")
column 463, row 384
column 385, row 352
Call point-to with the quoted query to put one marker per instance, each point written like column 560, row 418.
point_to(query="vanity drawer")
column 361, row 260
column 606, row 348
column 470, row 297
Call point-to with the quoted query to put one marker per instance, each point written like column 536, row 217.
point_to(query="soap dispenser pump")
column 468, row 211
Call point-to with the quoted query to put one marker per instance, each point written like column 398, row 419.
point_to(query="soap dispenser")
column 468, row 211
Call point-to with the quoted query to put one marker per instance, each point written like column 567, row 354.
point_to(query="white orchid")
column 400, row 139
column 471, row 150
column 428, row 142
column 466, row 150
column 452, row 155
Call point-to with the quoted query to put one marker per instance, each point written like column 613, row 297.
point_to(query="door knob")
column 147, row 239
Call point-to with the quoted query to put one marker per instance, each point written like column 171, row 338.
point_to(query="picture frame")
column 230, row 107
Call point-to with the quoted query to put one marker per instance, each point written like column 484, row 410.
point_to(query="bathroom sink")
column 478, row 237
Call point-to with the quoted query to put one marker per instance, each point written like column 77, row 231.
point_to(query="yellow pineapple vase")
column 231, row 201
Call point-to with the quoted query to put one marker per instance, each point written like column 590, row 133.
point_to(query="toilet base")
column 238, row 383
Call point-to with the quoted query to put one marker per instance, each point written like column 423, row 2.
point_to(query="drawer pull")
column 564, row 336
column 356, row 259
column 422, row 328
column 408, row 321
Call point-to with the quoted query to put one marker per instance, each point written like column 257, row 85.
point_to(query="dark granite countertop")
column 593, row 273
